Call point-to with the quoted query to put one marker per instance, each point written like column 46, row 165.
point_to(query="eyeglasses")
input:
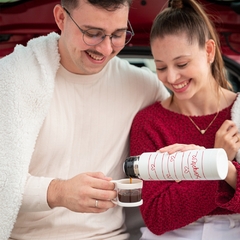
column 95, row 36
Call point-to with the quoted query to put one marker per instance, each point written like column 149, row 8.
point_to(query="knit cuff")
column 228, row 198
column 35, row 194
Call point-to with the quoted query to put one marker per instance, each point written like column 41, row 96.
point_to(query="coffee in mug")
column 129, row 192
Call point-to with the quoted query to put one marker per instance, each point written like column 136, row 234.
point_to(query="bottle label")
column 204, row 164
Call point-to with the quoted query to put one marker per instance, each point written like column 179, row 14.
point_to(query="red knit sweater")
column 168, row 205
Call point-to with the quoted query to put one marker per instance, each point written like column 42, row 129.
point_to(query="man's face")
column 78, row 57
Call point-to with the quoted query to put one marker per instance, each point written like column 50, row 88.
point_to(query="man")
column 67, row 103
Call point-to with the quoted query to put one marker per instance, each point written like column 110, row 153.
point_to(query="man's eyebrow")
column 92, row 27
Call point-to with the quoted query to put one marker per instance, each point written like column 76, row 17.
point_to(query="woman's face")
column 183, row 67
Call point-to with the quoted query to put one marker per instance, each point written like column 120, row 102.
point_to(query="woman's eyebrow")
column 178, row 57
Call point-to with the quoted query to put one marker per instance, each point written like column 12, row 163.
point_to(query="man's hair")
column 106, row 4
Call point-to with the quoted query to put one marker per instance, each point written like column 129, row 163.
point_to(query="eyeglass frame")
column 105, row 35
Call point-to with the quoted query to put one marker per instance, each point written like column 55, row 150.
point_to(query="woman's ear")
column 59, row 16
column 210, row 50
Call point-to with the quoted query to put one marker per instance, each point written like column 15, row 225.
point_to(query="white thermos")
column 203, row 164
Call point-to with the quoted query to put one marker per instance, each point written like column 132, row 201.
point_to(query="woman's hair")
column 106, row 4
column 188, row 16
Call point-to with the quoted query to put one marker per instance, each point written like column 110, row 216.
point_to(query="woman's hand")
column 228, row 138
column 179, row 147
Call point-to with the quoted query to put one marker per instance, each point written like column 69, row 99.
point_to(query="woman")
column 188, row 61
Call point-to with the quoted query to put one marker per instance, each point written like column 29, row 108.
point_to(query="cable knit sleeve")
column 26, row 86
column 228, row 198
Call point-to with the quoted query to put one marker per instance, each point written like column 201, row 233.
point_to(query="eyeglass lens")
column 95, row 36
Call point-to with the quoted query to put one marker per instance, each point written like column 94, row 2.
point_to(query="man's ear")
column 210, row 50
column 59, row 16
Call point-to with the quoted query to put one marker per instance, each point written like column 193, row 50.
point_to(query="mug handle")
column 114, row 200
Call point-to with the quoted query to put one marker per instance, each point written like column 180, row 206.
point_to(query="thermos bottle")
column 201, row 164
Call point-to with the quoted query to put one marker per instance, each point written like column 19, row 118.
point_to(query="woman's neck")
column 203, row 104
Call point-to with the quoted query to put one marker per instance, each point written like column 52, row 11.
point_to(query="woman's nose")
column 172, row 75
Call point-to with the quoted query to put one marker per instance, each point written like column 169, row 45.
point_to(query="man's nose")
column 106, row 46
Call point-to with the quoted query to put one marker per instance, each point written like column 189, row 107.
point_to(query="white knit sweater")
column 235, row 114
column 23, row 107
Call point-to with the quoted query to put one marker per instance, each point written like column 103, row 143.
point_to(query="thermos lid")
column 128, row 166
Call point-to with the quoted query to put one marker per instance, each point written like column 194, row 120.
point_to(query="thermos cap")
column 129, row 168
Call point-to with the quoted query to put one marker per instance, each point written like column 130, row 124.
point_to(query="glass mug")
column 129, row 192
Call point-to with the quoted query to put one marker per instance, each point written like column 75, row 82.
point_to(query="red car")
column 21, row 20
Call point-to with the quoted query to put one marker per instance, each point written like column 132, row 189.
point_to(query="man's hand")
column 80, row 193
